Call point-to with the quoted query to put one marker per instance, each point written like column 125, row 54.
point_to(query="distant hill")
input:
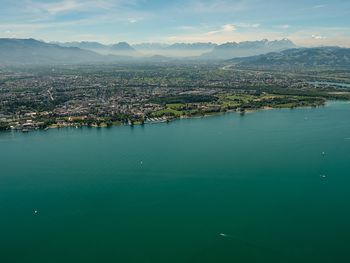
column 150, row 46
column 122, row 46
column 321, row 57
column 123, row 49
column 206, row 51
column 83, row 45
column 31, row 51
column 248, row 48
column 175, row 50
column 191, row 46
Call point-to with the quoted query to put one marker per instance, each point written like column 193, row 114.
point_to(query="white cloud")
column 219, row 6
column 318, row 6
column 220, row 36
column 283, row 26
column 66, row 6
column 56, row 7
column 228, row 28
column 318, row 37
column 213, row 20
column 322, row 36
column 186, row 28
column 133, row 20
column 247, row 25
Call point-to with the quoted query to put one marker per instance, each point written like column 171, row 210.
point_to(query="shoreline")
column 168, row 120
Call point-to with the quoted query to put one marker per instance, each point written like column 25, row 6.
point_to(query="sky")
column 306, row 22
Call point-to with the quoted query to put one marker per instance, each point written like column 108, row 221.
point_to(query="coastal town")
column 102, row 96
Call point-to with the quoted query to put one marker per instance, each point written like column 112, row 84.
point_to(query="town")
column 108, row 95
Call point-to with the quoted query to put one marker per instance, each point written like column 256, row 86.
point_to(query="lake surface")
column 271, row 186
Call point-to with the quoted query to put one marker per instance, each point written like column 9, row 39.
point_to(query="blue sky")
column 306, row 22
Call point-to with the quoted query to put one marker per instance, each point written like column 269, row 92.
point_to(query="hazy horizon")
column 306, row 23
column 165, row 44
column 168, row 44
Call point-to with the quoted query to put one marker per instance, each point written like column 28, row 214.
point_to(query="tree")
column 4, row 126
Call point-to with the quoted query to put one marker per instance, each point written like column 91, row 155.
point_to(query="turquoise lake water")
column 271, row 186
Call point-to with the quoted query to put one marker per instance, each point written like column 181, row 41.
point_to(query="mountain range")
column 31, row 51
column 121, row 48
column 207, row 51
column 144, row 49
column 248, row 48
column 299, row 58
column 257, row 54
